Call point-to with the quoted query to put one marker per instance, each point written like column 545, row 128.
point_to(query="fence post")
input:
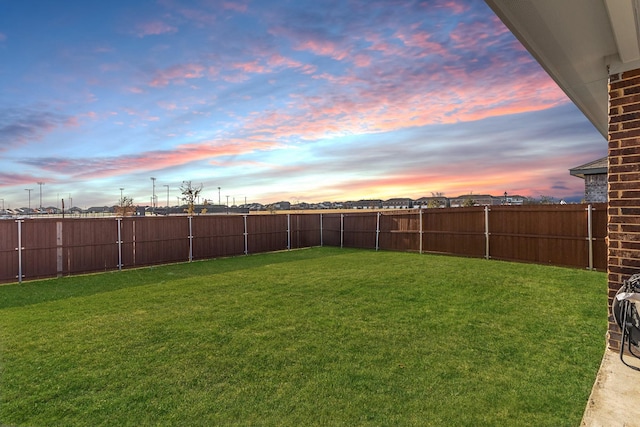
column 59, row 250
column 590, row 234
column 119, row 242
column 378, row 231
column 341, row 230
column 288, row 232
column 420, row 234
column 321, row 238
column 19, row 249
column 486, row 231
column 246, row 236
column 190, row 239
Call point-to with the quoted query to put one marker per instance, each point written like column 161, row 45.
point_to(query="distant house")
column 514, row 200
column 595, row 180
column 284, row 205
column 254, row 207
column 431, row 202
column 366, row 204
column 475, row 200
column 100, row 210
column 398, row 203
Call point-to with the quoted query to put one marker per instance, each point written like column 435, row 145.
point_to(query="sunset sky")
column 277, row 100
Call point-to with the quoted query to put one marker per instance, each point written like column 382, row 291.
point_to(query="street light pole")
column 121, row 190
column 153, row 196
column 41, row 184
column 29, row 190
column 167, row 185
column 219, row 196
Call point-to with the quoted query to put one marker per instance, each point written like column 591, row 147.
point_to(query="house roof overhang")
column 596, row 167
column 579, row 43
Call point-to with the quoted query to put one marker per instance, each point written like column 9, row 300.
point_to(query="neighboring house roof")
column 579, row 43
column 474, row 196
column 427, row 198
column 398, row 199
column 595, row 167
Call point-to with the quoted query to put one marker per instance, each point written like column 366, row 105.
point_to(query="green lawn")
column 322, row 336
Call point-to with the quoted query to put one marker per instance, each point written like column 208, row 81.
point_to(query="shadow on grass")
column 40, row 291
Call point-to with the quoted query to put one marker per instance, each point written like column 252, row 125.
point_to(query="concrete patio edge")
column 615, row 395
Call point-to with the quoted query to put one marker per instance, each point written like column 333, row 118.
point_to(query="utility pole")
column 219, row 196
column 153, row 196
column 41, row 184
column 29, row 190
column 167, row 185
column 121, row 190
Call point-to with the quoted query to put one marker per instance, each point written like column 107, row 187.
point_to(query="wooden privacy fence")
column 567, row 235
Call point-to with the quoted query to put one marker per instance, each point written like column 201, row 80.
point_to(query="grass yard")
column 321, row 336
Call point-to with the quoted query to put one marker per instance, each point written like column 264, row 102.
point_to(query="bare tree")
column 125, row 207
column 190, row 194
column 436, row 201
column 468, row 202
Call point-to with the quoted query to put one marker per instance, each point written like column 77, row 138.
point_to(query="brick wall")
column 624, row 185
column 595, row 188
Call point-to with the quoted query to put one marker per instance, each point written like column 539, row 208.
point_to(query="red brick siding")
column 624, row 185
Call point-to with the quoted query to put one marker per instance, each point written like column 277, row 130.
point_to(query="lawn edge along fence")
column 564, row 235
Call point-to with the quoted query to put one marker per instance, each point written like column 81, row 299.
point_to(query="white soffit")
column 623, row 17
column 574, row 41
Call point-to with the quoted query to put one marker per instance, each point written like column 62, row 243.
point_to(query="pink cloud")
column 457, row 7
column 322, row 48
column 269, row 64
column 477, row 34
column 170, row 106
column 362, row 60
column 361, row 105
column 278, row 61
column 421, row 40
column 452, row 182
column 406, row 45
column 72, row 122
column 249, row 67
column 235, row 6
column 9, row 179
column 92, row 168
column 154, row 28
column 177, row 74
